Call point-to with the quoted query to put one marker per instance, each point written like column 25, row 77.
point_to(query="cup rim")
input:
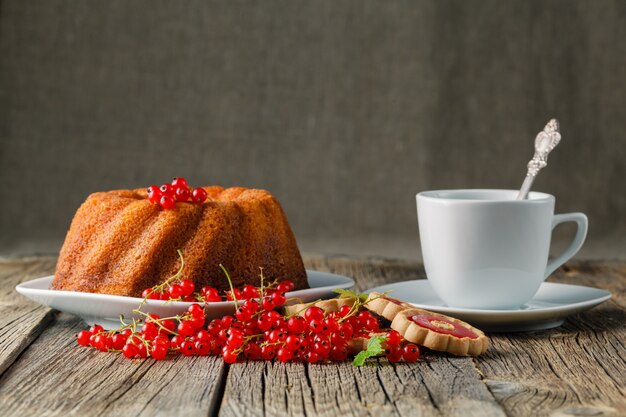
column 535, row 197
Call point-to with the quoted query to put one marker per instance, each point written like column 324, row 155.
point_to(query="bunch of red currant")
column 257, row 331
column 168, row 194
column 185, row 291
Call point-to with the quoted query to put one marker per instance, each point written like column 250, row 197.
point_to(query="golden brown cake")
column 120, row 243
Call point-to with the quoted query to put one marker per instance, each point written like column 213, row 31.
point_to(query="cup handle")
column 581, row 233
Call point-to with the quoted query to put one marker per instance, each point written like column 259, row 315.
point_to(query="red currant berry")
column 196, row 321
column 339, row 353
column 276, row 336
column 354, row 322
column 175, row 291
column 265, row 322
column 202, row 348
column 95, row 329
column 187, row 348
column 167, row 190
column 211, row 294
column 179, row 182
column 344, row 311
column 169, row 325
column 149, row 331
column 268, row 352
column 227, row 321
column 267, row 303
column 229, row 355
column 411, row 352
column 243, row 315
column 278, row 299
column 214, row 327
column 163, row 341
column 296, row 325
column 364, row 316
column 251, row 328
column 346, row 330
column 196, row 310
column 142, row 351
column 250, row 291
column 187, row 287
column 234, row 294
column 337, row 338
column 285, row 286
column 158, row 352
column 167, row 202
column 329, row 326
column 314, row 313
column 154, row 194
column 118, row 341
column 315, row 326
column 322, row 348
column 393, row 338
column 284, row 354
column 185, row 328
column 150, row 294
column 235, row 338
column 252, row 351
column 130, row 351
column 292, row 342
column 252, row 306
column 312, row 357
column 177, row 341
column 371, row 325
column 100, row 342
column 83, row 337
column 182, row 194
column 198, row 195
column 394, row 354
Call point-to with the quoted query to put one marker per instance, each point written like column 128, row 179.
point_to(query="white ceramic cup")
column 483, row 249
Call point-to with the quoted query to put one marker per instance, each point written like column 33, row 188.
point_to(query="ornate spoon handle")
column 544, row 143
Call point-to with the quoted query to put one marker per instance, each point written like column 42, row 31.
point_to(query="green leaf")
column 351, row 294
column 374, row 348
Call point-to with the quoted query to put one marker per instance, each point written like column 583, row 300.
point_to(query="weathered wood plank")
column 443, row 386
column 577, row 369
column 21, row 320
column 56, row 377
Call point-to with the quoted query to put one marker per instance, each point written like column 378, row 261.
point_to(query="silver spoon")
column 544, row 143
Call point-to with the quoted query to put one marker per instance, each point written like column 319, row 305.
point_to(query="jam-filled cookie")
column 329, row 306
column 439, row 332
column 385, row 306
column 359, row 343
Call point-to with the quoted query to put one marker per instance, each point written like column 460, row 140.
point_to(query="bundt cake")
column 120, row 243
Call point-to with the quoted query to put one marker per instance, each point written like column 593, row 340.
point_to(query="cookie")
column 358, row 344
column 439, row 332
column 385, row 306
column 329, row 306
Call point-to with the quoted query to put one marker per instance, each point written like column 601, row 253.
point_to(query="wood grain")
column 21, row 320
column 442, row 386
column 577, row 369
column 56, row 377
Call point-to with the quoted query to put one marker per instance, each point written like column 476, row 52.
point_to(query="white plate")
column 106, row 309
column 548, row 308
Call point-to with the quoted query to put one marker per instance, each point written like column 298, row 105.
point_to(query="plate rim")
column 25, row 288
column 507, row 313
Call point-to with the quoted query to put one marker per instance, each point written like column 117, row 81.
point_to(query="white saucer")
column 106, row 309
column 548, row 308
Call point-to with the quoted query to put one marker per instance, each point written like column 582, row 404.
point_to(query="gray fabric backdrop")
column 343, row 109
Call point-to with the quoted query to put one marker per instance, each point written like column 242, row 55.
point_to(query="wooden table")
column 575, row 370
